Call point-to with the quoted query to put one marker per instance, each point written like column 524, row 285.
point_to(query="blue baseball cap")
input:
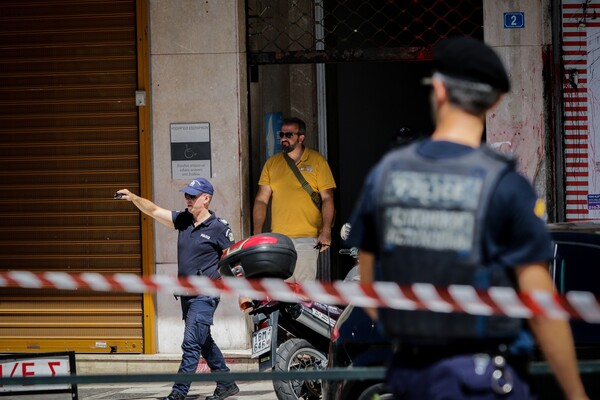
column 198, row 186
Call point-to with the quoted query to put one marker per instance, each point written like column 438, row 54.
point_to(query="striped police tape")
column 419, row 296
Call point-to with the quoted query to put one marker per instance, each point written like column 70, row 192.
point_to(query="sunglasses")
column 288, row 135
column 190, row 197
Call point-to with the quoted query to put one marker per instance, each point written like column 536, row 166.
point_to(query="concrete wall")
column 520, row 124
column 198, row 74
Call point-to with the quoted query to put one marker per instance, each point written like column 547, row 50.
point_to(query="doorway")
column 374, row 53
column 367, row 104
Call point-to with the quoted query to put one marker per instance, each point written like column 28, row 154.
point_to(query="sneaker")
column 175, row 396
column 224, row 392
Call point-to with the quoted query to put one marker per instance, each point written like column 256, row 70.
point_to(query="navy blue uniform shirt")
column 513, row 234
column 200, row 248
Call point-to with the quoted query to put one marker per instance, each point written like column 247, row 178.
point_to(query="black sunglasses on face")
column 190, row 197
column 288, row 135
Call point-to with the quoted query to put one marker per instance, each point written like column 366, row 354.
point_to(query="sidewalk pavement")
column 251, row 390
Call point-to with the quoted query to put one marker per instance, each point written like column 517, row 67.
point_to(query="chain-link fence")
column 305, row 31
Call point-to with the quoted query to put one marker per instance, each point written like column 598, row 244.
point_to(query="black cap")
column 472, row 60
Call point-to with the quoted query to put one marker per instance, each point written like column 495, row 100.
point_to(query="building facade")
column 99, row 95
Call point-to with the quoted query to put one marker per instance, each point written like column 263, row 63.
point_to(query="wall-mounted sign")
column 514, row 20
column 593, row 201
column 190, row 151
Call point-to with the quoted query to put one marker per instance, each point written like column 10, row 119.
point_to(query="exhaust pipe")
column 313, row 319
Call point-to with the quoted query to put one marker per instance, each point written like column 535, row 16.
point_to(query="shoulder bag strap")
column 314, row 196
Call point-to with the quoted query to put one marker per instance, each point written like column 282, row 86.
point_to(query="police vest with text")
column 430, row 221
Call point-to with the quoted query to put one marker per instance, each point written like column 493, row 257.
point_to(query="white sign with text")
column 190, row 151
column 23, row 368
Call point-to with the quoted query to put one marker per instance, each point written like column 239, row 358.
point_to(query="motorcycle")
column 286, row 336
column 292, row 336
column 357, row 342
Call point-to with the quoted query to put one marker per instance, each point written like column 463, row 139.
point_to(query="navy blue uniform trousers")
column 454, row 378
column 198, row 314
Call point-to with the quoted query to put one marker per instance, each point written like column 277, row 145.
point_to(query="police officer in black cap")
column 449, row 211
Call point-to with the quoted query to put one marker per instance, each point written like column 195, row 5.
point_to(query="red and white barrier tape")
column 456, row 298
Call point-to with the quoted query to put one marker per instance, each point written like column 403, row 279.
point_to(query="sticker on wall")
column 593, row 201
column 190, row 151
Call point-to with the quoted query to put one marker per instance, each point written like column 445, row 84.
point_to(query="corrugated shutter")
column 68, row 139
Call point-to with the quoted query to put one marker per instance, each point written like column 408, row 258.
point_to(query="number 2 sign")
column 514, row 20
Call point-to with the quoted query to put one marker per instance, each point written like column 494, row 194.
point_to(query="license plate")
column 261, row 341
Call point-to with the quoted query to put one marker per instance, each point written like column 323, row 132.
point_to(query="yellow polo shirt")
column 292, row 211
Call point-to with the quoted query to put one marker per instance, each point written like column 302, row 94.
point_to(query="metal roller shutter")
column 69, row 138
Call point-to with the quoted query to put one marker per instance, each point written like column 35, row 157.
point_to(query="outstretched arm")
column 553, row 335
column 160, row 214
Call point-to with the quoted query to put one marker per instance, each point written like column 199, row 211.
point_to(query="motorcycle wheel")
column 378, row 391
column 294, row 355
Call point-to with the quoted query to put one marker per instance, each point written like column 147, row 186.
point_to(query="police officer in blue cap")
column 201, row 241
column 449, row 211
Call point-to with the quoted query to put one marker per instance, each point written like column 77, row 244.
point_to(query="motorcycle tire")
column 293, row 355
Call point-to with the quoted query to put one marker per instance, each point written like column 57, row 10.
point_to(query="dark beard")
column 288, row 149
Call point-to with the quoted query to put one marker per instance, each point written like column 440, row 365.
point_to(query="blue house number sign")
column 514, row 20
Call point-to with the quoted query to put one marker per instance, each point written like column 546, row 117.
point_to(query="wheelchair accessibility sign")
column 190, row 150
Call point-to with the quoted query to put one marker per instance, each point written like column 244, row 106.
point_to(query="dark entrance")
column 369, row 102
column 352, row 70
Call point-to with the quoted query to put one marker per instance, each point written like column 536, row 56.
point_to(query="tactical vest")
column 430, row 223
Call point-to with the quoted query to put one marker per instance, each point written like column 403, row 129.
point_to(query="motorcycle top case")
column 266, row 255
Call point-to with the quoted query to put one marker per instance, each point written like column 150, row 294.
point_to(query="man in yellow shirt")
column 293, row 211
